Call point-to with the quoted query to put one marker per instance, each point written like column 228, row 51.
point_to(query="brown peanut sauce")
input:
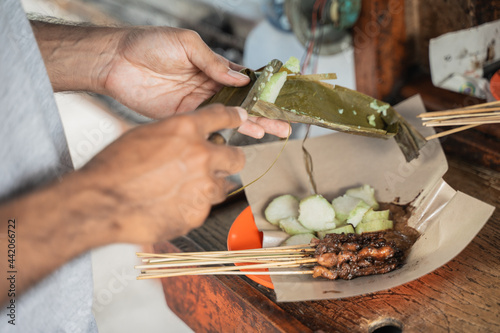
column 404, row 235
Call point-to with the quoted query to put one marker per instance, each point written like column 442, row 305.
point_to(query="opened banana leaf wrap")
column 322, row 104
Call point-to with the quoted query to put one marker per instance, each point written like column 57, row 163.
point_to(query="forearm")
column 77, row 58
column 54, row 225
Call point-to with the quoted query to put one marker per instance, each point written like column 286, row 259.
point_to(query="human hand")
column 156, row 71
column 165, row 176
column 163, row 71
column 156, row 182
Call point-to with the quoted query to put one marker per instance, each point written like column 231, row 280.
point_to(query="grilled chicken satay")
column 346, row 256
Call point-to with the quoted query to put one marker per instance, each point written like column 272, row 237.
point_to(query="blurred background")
column 378, row 47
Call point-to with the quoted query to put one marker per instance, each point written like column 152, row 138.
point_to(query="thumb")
column 215, row 66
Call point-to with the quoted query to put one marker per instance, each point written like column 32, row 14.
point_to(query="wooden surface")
column 379, row 46
column 391, row 46
column 462, row 296
column 391, row 38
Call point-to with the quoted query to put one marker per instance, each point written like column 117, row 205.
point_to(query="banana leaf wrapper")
column 334, row 107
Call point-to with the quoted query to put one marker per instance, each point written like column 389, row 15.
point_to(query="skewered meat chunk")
column 346, row 256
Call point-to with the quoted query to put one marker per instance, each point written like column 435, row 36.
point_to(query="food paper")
column 447, row 219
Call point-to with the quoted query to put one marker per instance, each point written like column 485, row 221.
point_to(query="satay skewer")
column 171, row 272
column 178, row 264
column 336, row 256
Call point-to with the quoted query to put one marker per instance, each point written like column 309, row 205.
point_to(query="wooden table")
column 462, row 296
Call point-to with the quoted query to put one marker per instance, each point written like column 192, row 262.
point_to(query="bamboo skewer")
column 466, row 118
column 465, row 110
column 458, row 116
column 178, row 264
column 215, row 261
column 291, row 248
column 251, row 258
column 260, row 257
column 226, row 259
column 245, row 272
column 196, row 271
column 281, row 260
column 456, row 112
column 468, row 121
column 210, row 269
column 454, row 130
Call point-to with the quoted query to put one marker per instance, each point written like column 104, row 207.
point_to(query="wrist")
column 75, row 213
column 57, row 223
column 77, row 58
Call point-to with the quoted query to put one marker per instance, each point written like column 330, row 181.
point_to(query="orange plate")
column 495, row 85
column 244, row 235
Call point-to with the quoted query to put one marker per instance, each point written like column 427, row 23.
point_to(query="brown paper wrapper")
column 448, row 220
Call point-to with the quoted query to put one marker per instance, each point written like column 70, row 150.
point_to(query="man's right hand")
column 156, row 182
column 165, row 176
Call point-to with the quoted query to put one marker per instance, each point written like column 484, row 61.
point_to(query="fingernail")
column 243, row 114
column 237, row 75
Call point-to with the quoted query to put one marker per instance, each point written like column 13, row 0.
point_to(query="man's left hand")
column 160, row 71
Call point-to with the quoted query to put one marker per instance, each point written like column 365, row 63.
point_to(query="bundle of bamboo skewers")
column 250, row 262
column 465, row 118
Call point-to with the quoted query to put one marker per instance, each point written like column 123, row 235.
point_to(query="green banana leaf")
column 334, row 107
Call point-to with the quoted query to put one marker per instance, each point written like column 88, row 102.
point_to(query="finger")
column 251, row 129
column 234, row 66
column 214, row 190
column 224, row 188
column 275, row 127
column 226, row 160
column 196, row 197
column 216, row 117
column 201, row 191
column 213, row 65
